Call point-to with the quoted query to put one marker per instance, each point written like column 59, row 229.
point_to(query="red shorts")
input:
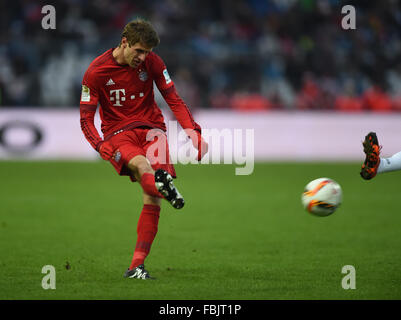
column 139, row 141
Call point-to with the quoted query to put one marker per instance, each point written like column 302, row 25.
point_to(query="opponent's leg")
column 390, row 164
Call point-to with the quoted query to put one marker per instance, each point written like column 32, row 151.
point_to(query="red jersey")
column 126, row 98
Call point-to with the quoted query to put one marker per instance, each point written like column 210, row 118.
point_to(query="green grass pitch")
column 238, row 237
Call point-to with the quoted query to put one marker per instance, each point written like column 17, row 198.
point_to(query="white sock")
column 390, row 164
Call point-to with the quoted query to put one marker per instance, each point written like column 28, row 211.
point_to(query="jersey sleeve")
column 88, row 106
column 167, row 88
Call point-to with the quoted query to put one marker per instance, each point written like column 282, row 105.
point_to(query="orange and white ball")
column 322, row 197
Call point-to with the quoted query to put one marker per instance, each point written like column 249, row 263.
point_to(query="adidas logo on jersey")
column 110, row 82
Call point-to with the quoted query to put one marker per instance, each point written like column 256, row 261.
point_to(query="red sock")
column 148, row 185
column 146, row 229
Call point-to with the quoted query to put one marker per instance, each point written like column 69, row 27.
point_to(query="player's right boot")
column 138, row 273
column 164, row 184
column 372, row 150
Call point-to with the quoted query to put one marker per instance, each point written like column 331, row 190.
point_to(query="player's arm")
column 184, row 117
column 87, row 108
column 178, row 107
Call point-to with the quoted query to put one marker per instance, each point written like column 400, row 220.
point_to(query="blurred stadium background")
column 246, row 54
column 263, row 58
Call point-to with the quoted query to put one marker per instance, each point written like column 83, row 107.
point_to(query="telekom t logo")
column 117, row 96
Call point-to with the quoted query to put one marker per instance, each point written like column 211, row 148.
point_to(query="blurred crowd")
column 242, row 55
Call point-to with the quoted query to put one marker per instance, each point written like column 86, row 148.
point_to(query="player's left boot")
column 164, row 184
column 138, row 273
column 372, row 150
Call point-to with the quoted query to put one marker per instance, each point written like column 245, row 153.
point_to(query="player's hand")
column 198, row 142
column 203, row 148
column 106, row 150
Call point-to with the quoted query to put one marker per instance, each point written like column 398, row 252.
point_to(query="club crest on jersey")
column 117, row 156
column 143, row 75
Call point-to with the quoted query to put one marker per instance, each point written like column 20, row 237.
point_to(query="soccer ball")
column 322, row 197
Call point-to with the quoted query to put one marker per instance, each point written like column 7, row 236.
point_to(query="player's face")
column 134, row 55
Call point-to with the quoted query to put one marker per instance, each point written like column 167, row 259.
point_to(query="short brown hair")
column 141, row 31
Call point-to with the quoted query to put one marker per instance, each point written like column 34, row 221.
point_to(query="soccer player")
column 373, row 163
column 121, row 82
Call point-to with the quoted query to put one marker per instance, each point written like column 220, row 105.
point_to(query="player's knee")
column 144, row 167
column 148, row 199
column 139, row 165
